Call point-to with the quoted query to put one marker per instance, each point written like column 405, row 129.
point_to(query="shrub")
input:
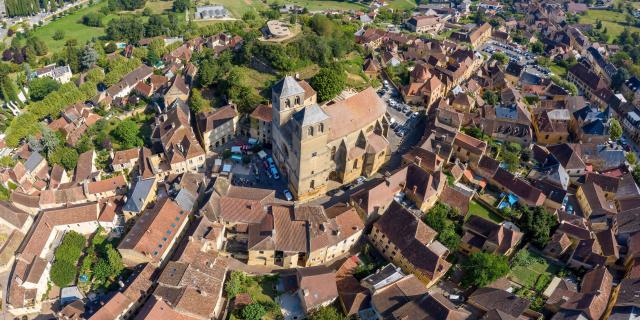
column 63, row 273
column 254, row 311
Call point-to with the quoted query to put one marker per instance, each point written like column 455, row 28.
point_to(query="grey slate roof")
column 186, row 200
column 140, row 192
column 33, row 161
column 287, row 87
column 310, row 115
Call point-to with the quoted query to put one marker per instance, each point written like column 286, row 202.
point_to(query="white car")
column 287, row 195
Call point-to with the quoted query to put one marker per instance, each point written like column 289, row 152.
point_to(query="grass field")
column 314, row 5
column 558, row 70
column 402, row 4
column 528, row 275
column 237, row 7
column 479, row 210
column 613, row 21
column 158, row 7
column 72, row 28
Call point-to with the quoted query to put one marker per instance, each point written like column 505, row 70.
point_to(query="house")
column 631, row 90
column 276, row 29
column 591, row 84
column 86, row 169
column 61, row 74
column 304, row 235
column 30, row 274
column 123, row 88
column 481, row 234
column 125, row 159
column 480, row 35
column 124, row 303
column 218, row 127
column 177, row 90
column 198, row 272
column 498, row 296
column 261, row 118
column 425, row 24
column 526, row 193
column 593, row 203
column 107, row 188
column 511, row 122
column 173, row 132
column 467, row 148
column 141, row 195
column 410, row 244
column 211, row 12
column 393, row 296
column 589, row 302
column 154, row 234
column 316, row 287
column 552, row 126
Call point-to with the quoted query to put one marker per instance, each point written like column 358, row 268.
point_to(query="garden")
column 261, row 289
column 99, row 269
column 533, row 273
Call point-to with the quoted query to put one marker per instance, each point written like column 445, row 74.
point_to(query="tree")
column 41, row 87
column 537, row 47
column 88, row 57
column 196, row 102
column 636, row 174
column 254, row 311
column 93, row 19
column 235, row 284
column 58, row 35
column 439, row 218
column 63, row 273
column 128, row 28
column 481, row 269
column 329, row 82
column 181, row 5
column 128, row 134
column 536, row 224
column 327, row 313
column 631, row 158
column 7, row 162
column 490, row 97
column 111, row 47
column 500, row 57
column 64, row 156
column 615, row 129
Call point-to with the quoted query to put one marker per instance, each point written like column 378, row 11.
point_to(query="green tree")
column 235, row 284
column 615, row 129
column 7, row 162
column 93, row 19
column 63, row 273
column 64, row 156
column 88, row 57
column 254, row 311
column 41, row 87
column 128, row 134
column 329, row 82
column 327, row 313
column 58, row 35
column 500, row 57
column 537, row 47
column 127, row 28
column 636, row 174
column 631, row 158
column 490, row 97
column 196, row 102
column 181, row 5
column 481, row 269
column 537, row 224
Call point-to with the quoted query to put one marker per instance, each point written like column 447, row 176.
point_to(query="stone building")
column 341, row 140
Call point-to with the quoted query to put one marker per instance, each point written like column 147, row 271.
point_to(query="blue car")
column 274, row 172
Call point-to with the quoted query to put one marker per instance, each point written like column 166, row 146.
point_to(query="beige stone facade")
column 339, row 141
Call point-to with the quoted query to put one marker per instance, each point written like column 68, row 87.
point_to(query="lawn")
column 479, row 210
column 158, row 7
column 402, row 4
column 72, row 27
column 262, row 290
column 558, row 70
column 613, row 21
column 238, row 7
column 317, row 5
column 528, row 275
column 257, row 80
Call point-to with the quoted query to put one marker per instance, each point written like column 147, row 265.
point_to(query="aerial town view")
column 319, row 159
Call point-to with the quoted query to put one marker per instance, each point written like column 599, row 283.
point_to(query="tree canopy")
column 537, row 224
column 615, row 129
column 127, row 134
column 481, row 269
column 39, row 88
column 329, row 82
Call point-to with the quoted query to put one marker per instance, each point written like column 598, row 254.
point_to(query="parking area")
column 515, row 54
column 403, row 117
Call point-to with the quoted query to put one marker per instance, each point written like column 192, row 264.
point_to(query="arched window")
column 333, row 152
column 312, row 185
column 287, row 103
column 321, row 127
column 297, row 100
column 310, row 131
column 355, row 164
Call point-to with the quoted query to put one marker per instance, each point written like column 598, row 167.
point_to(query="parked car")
column 394, row 125
column 274, row 172
column 270, row 161
column 287, row 195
